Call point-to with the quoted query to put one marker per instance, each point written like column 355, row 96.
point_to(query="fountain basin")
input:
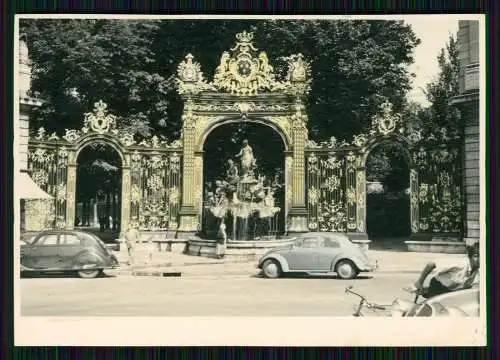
column 235, row 250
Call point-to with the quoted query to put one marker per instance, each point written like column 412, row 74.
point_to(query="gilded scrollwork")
column 190, row 79
column 40, row 177
column 331, row 162
column 61, row 192
column 155, row 182
column 313, row 195
column 174, row 195
column 135, row 194
column 351, row 195
column 175, row 163
column 298, row 76
column 332, row 183
column 242, row 71
column 72, row 135
column 41, row 155
column 423, row 193
column 332, row 217
column 127, row 139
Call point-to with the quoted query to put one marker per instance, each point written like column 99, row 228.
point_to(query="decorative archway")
column 336, row 180
column 151, row 172
column 244, row 88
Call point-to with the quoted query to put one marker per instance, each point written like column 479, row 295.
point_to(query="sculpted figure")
column 232, row 172
column 247, row 160
column 223, row 63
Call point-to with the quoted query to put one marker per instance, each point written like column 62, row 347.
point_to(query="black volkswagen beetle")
column 67, row 251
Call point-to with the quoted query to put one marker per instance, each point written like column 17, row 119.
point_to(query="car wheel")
column 89, row 273
column 272, row 269
column 345, row 269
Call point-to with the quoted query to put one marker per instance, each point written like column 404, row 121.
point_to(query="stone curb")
column 170, row 264
column 156, row 273
column 173, row 271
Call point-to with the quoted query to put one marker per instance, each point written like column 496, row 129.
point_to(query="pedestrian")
column 131, row 239
column 149, row 249
column 220, row 247
column 438, row 277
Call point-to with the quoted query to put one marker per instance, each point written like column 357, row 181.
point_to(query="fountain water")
column 245, row 203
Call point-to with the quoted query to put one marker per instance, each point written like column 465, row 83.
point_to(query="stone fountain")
column 244, row 201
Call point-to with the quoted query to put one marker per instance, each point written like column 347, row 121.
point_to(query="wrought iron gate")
column 151, row 173
column 336, row 180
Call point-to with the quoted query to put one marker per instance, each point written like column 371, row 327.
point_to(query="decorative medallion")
column 99, row 120
column 387, row 120
column 243, row 72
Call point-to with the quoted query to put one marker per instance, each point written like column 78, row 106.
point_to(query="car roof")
column 453, row 294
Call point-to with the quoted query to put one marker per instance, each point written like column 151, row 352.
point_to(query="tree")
column 78, row 62
column 356, row 65
column 440, row 92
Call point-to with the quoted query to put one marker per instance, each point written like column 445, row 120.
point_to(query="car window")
column 310, row 242
column 47, row 240
column 329, row 243
column 92, row 240
column 69, row 239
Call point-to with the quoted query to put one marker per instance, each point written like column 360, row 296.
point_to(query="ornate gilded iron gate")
column 439, row 189
column 326, row 191
column 48, row 165
column 336, row 180
column 155, row 190
column 151, row 173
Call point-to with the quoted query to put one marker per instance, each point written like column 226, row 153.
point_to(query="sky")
column 434, row 32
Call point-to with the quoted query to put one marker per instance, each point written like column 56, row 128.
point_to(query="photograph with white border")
column 249, row 180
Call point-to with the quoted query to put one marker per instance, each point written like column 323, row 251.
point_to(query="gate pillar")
column 125, row 206
column 360, row 232
column 70, row 196
column 298, row 212
column 188, row 221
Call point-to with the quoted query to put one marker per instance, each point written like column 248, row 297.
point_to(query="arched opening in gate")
column 244, row 181
column 98, row 190
column 388, row 217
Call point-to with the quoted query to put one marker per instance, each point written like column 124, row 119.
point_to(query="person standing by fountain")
column 247, row 160
column 132, row 237
column 220, row 247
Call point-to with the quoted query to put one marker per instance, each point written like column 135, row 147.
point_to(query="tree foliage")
column 441, row 91
column 130, row 64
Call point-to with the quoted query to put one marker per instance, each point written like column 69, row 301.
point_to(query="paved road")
column 203, row 295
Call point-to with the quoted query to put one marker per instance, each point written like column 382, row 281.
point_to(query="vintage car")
column 455, row 303
column 315, row 253
column 63, row 250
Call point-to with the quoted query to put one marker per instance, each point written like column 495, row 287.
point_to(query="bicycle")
column 364, row 303
column 394, row 308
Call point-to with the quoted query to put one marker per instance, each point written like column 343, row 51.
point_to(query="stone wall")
column 468, row 103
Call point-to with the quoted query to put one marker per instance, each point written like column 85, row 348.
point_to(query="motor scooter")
column 398, row 308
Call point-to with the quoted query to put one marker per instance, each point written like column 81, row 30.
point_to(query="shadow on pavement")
column 307, row 276
column 56, row 275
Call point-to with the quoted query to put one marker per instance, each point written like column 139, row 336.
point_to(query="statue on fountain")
column 247, row 161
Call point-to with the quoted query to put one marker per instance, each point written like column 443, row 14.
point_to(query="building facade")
column 468, row 104
column 34, row 204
